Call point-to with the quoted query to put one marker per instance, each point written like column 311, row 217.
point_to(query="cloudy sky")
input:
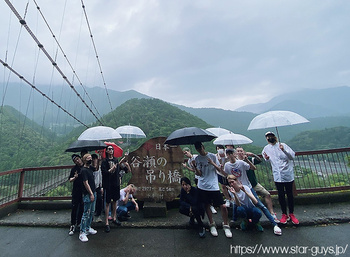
column 223, row 54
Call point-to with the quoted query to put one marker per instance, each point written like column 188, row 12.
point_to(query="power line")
column 42, row 48
column 42, row 93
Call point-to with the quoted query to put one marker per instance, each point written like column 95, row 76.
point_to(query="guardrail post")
column 21, row 185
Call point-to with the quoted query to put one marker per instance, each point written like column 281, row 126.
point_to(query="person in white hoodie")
column 281, row 156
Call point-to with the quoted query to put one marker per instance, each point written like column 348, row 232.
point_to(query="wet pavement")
column 34, row 232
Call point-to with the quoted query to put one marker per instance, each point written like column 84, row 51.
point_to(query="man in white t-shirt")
column 246, row 202
column 126, row 202
column 205, row 165
column 239, row 169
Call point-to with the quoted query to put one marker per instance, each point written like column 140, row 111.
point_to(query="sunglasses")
column 109, row 148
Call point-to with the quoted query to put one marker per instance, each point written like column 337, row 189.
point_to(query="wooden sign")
column 156, row 170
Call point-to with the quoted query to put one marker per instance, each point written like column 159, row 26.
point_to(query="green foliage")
column 330, row 138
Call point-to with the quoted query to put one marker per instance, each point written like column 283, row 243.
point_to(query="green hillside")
column 330, row 138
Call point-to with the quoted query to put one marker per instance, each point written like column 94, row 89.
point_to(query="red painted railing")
column 315, row 171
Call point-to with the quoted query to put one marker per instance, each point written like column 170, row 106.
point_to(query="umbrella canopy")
column 218, row 131
column 129, row 131
column 232, row 139
column 99, row 133
column 88, row 145
column 118, row 151
column 191, row 135
column 276, row 119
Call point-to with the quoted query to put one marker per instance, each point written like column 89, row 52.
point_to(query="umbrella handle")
column 278, row 135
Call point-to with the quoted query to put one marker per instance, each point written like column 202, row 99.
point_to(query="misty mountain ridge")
column 310, row 103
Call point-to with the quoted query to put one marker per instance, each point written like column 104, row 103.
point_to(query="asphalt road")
column 301, row 241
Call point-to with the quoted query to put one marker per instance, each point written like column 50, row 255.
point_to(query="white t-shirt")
column 122, row 197
column 189, row 162
column 243, row 198
column 239, row 169
column 281, row 163
column 209, row 179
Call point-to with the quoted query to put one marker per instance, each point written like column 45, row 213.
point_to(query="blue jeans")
column 263, row 208
column 249, row 213
column 89, row 209
column 123, row 209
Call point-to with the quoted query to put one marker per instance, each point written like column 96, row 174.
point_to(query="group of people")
column 230, row 172
column 96, row 184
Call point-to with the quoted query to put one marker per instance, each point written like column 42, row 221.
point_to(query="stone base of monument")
column 154, row 210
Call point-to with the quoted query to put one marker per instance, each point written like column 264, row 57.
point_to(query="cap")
column 74, row 156
column 269, row 133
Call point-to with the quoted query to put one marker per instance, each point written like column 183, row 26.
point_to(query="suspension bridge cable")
column 65, row 56
column 43, row 94
column 23, row 23
column 98, row 60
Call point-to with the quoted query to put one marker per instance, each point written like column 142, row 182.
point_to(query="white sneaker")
column 71, row 230
column 83, row 237
column 98, row 219
column 213, row 230
column 277, row 230
column 275, row 217
column 227, row 230
column 213, row 209
column 91, row 231
column 228, row 203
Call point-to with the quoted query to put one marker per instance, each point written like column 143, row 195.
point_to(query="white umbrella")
column 232, row 139
column 99, row 133
column 218, row 131
column 276, row 119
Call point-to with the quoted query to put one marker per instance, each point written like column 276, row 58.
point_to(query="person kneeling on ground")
column 126, row 203
column 245, row 201
column 190, row 206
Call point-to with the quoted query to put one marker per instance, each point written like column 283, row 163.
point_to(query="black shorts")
column 113, row 194
column 211, row 197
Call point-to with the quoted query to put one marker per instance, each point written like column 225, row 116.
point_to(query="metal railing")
column 315, row 171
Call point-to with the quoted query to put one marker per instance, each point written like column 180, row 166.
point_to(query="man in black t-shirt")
column 77, row 200
column 89, row 196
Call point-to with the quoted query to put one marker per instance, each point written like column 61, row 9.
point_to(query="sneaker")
column 107, row 229
column 202, row 232
column 227, row 230
column 284, row 219
column 213, row 209
column 83, row 237
column 294, row 220
column 274, row 216
column 71, row 230
column 277, row 230
column 91, row 231
column 117, row 222
column 243, row 225
column 227, row 203
column 98, row 219
column 213, row 230
column 259, row 227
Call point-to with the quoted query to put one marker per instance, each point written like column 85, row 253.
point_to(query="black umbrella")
column 88, row 145
column 187, row 136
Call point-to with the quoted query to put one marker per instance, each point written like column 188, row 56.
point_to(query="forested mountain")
column 338, row 137
column 153, row 116
column 23, row 143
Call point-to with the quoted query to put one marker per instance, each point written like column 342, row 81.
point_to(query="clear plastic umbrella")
column 232, row 139
column 219, row 131
column 99, row 133
column 276, row 119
